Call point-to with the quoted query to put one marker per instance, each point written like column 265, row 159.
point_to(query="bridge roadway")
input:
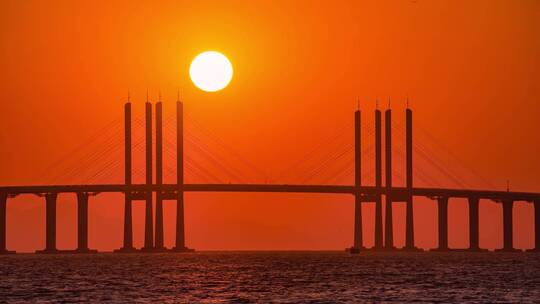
column 368, row 192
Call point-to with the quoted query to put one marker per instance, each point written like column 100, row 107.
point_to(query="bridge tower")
column 147, row 196
column 149, row 223
column 409, row 221
column 128, row 220
column 378, row 182
column 180, row 245
column 159, row 177
column 388, row 231
column 358, row 240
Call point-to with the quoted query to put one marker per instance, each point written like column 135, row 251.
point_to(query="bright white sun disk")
column 211, row 71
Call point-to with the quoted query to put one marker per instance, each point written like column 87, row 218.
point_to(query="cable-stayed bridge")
column 204, row 163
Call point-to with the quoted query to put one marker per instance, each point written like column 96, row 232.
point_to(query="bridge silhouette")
column 154, row 235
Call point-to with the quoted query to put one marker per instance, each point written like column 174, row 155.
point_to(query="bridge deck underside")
column 369, row 192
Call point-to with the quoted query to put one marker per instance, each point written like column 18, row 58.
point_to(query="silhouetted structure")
column 153, row 241
column 389, row 229
column 378, row 182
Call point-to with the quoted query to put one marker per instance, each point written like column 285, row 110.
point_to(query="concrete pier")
column 180, row 245
column 508, row 232
column 50, row 224
column 82, row 224
column 180, row 234
column 474, row 244
column 3, row 218
column 409, row 223
column 378, row 182
column 128, row 218
column 159, row 178
column 389, row 231
column 442, row 206
column 358, row 240
column 536, row 205
column 159, row 245
column 149, row 214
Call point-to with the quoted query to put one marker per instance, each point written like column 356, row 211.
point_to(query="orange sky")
column 470, row 68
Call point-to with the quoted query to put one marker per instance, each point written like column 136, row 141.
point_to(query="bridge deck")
column 285, row 188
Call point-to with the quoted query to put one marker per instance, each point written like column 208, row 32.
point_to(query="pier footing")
column 458, row 250
column 48, row 251
column 356, row 250
column 83, row 251
column 395, row 249
column 440, row 250
column 60, row 251
column 126, row 250
column 377, row 249
column 411, row 249
column 148, row 249
column 472, row 250
column 153, row 250
column 508, row 250
column 182, row 249
column 161, row 249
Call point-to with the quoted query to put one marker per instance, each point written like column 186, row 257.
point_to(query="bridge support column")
column 409, row 224
column 128, row 225
column 409, row 234
column 149, row 214
column 389, row 231
column 358, row 241
column 128, row 219
column 82, row 223
column 508, row 233
column 50, row 222
column 159, row 222
column 536, row 227
column 442, row 206
column 3, row 209
column 378, row 182
column 159, row 178
column 378, row 224
column 180, row 232
column 474, row 244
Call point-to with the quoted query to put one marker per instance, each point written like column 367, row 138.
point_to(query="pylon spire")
column 159, row 96
column 376, row 103
column 178, row 96
column 147, row 99
column 129, row 97
column 389, row 103
column 407, row 101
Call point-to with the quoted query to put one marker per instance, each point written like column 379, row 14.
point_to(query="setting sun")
column 211, row 71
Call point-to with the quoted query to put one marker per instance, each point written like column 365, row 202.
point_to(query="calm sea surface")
column 287, row 277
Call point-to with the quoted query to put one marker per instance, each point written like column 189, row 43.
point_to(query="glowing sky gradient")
column 470, row 68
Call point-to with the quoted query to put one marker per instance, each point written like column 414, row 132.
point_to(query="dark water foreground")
column 271, row 277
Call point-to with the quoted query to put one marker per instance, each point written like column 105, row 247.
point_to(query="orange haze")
column 470, row 68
